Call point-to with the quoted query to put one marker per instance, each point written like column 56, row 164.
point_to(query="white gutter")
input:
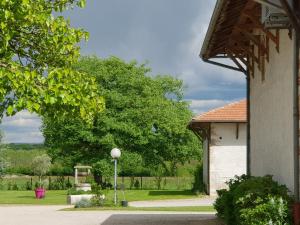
column 212, row 24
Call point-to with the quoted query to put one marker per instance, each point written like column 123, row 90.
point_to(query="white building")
column 223, row 134
column 261, row 38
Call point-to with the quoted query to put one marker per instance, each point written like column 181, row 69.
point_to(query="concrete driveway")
column 203, row 201
column 49, row 215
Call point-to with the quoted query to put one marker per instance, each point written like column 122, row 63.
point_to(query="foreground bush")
column 254, row 201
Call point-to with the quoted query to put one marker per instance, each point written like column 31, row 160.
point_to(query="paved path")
column 203, row 201
column 48, row 215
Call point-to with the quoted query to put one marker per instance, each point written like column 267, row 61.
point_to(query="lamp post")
column 115, row 154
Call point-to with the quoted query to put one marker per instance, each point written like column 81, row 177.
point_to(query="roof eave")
column 218, row 121
column 210, row 30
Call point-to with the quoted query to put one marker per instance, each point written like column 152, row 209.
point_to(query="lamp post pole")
column 115, row 154
column 115, row 198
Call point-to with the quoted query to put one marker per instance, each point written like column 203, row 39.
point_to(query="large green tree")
column 37, row 51
column 144, row 114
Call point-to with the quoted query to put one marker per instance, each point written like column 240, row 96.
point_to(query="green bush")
column 102, row 171
column 198, row 185
column 15, row 187
column 274, row 211
column 60, row 183
column 83, row 203
column 59, row 169
column 28, row 185
column 251, row 193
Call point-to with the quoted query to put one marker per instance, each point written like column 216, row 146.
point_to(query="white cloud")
column 200, row 76
column 24, row 127
column 19, row 137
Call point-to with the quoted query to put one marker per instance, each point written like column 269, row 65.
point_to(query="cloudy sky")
column 167, row 34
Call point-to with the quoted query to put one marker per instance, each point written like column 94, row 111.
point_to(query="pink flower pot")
column 40, row 193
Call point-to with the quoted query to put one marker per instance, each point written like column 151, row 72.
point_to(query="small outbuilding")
column 223, row 134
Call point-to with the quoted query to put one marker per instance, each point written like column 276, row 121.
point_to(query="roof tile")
column 234, row 112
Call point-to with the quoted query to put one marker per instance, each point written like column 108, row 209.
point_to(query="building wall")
column 271, row 120
column 228, row 155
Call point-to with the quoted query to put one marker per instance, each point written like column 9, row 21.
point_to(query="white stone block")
column 73, row 199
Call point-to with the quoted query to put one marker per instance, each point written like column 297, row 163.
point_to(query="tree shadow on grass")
column 181, row 192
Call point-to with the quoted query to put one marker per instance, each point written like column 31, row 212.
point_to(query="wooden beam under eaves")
column 259, row 25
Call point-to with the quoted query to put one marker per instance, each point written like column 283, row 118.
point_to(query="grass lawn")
column 59, row 197
column 167, row 209
column 28, row 197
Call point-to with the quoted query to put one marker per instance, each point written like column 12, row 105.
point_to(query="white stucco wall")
column 228, row 155
column 271, row 120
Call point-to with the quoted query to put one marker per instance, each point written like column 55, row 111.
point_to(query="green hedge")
column 254, row 201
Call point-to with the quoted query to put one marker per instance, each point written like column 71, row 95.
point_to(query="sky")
column 167, row 34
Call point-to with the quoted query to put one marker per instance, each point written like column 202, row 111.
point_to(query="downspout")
column 248, row 125
column 296, row 114
column 290, row 11
column 208, row 158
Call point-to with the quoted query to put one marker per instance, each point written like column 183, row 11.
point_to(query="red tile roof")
column 234, row 112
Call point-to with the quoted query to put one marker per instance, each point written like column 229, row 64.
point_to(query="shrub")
column 98, row 201
column 136, row 184
column 59, row 169
column 83, row 203
column 60, row 183
column 102, row 171
column 1, row 184
column 198, row 185
column 9, row 186
column 158, row 172
column 41, row 165
column 28, row 185
column 15, row 187
column 253, row 194
column 274, row 211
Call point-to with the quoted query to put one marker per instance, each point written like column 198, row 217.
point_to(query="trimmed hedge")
column 253, row 201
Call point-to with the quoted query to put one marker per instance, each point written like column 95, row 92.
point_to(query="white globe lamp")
column 115, row 153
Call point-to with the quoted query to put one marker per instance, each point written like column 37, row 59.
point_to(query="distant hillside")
column 25, row 146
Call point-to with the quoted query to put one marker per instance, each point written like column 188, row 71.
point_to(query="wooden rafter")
column 268, row 33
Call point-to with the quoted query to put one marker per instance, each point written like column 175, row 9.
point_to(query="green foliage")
column 198, row 185
column 83, row 203
column 131, row 164
column 136, row 184
column 20, row 161
column 28, row 185
column 59, row 183
column 41, row 165
column 158, row 172
column 273, row 211
column 253, row 194
column 102, row 170
column 144, row 114
column 17, row 159
column 37, row 53
column 3, row 166
column 59, row 168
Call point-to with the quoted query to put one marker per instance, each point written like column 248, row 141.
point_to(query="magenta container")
column 40, row 193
